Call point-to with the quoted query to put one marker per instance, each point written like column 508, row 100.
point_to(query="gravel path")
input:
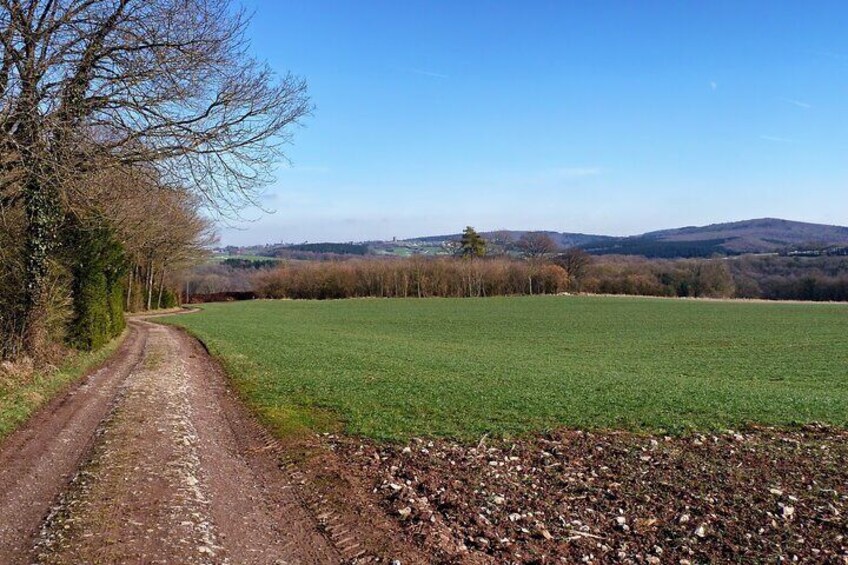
column 38, row 460
column 152, row 460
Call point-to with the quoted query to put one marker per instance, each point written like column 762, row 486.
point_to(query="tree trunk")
column 161, row 286
column 150, row 287
column 129, row 287
column 42, row 213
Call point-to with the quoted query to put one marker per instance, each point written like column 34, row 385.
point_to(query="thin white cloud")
column 426, row 73
column 575, row 172
column 798, row 103
column 713, row 85
column 776, row 139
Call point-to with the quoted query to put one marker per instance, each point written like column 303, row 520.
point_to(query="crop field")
column 462, row 368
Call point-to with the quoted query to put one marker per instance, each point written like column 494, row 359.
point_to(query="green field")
column 390, row 369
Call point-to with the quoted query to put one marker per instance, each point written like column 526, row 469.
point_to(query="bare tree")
column 575, row 261
column 537, row 244
column 167, row 84
column 500, row 242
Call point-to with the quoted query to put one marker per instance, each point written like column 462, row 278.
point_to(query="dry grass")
column 26, row 384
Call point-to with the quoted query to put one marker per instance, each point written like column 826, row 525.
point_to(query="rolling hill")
column 763, row 235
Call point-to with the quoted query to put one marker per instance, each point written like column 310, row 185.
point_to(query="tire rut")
column 168, row 480
column 152, row 458
column 39, row 459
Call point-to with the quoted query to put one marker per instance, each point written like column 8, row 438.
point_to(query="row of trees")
column 769, row 277
column 791, row 278
column 481, row 268
column 413, row 277
column 773, row 277
column 765, row 277
column 694, row 278
column 119, row 121
column 457, row 277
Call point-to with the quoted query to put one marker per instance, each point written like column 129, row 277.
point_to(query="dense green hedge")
column 97, row 264
column 169, row 299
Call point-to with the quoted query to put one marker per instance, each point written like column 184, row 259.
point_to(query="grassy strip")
column 391, row 369
column 285, row 419
column 19, row 400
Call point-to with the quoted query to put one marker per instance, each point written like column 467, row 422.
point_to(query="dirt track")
column 151, row 459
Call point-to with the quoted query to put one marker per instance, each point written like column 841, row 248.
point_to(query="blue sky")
column 599, row 117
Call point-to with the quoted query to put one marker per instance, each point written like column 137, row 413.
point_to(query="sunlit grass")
column 390, row 369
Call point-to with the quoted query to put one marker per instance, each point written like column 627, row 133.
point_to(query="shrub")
column 97, row 268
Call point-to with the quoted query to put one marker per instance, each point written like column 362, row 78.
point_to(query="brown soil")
column 763, row 496
column 152, row 459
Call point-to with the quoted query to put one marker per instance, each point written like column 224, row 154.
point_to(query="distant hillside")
column 562, row 239
column 319, row 248
column 765, row 235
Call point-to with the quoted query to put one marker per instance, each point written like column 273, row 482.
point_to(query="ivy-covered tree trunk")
column 43, row 214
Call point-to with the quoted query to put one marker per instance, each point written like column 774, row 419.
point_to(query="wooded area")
column 406, row 278
column 766, row 277
column 123, row 124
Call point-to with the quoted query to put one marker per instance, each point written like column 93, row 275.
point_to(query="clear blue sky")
column 600, row 117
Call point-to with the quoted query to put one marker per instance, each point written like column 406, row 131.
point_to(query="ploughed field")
column 462, row 368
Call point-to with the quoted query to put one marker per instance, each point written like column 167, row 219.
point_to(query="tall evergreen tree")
column 472, row 243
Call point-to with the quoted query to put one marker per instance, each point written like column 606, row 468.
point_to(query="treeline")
column 124, row 251
column 660, row 249
column 122, row 125
column 217, row 278
column 237, row 263
column 320, row 248
column 747, row 276
column 480, row 269
column 658, row 277
column 413, row 277
column 823, row 278
column 771, row 277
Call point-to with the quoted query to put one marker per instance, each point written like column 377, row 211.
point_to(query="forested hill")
column 562, row 239
column 765, row 235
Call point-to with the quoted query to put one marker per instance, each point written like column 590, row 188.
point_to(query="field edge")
column 21, row 403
